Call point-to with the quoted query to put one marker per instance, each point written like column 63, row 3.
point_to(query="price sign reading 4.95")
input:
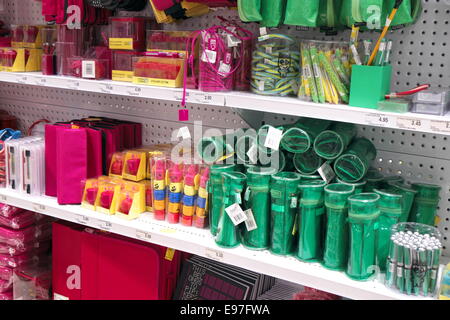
column 380, row 120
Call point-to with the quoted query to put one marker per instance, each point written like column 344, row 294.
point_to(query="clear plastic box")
column 431, row 102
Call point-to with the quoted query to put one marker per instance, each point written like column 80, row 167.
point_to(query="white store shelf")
column 243, row 100
column 200, row 242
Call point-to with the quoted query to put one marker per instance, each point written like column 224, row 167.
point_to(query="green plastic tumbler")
column 275, row 160
column 425, row 204
column 257, row 198
column 390, row 205
column 354, row 163
column 331, row 143
column 247, row 149
column 307, row 163
column 227, row 233
column 215, row 193
column 336, row 230
column 311, row 222
column 408, row 194
column 363, row 214
column 284, row 198
column 262, row 136
column 300, row 137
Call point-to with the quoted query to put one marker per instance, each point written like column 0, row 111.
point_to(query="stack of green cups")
column 214, row 149
column 363, row 214
column 354, row 163
column 233, row 184
column 374, row 180
column 336, row 230
column 390, row 205
column 331, row 143
column 257, row 198
column 425, row 203
column 300, row 137
column 262, row 135
column 284, row 193
column 310, row 222
column 215, row 193
column 307, row 163
column 408, row 195
column 359, row 186
column 305, row 177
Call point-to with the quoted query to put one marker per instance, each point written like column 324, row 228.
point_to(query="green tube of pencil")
column 400, row 280
column 408, row 267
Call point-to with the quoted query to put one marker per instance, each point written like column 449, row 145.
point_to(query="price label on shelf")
column 39, row 208
column 440, row 126
column 134, row 91
column 205, row 98
column 410, row 123
column 178, row 95
column 380, row 120
column 40, row 81
column 106, row 87
column 143, row 235
column 104, row 225
column 214, row 254
column 3, row 198
column 81, row 219
column 73, row 84
column 22, row 79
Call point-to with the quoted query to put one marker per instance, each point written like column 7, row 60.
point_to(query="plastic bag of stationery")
column 270, row 13
column 313, row 13
column 326, row 72
column 375, row 12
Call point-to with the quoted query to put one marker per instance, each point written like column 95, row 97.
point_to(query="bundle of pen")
column 326, row 72
column 413, row 262
column 382, row 58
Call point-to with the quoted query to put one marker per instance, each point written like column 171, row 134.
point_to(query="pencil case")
column 20, row 221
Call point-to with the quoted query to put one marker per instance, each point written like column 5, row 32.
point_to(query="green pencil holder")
column 369, row 85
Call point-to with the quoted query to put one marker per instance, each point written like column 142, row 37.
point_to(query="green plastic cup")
column 354, row 163
column 214, row 149
column 363, row 214
column 359, row 186
column 227, row 233
column 284, row 198
column 307, row 163
column 408, row 194
column 257, row 198
column 262, row 135
column 310, row 224
column 374, row 180
column 390, row 205
column 215, row 193
column 300, row 137
column 336, row 230
column 275, row 160
column 243, row 146
column 425, row 204
column 331, row 143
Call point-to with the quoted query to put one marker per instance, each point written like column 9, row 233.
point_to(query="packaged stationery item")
column 159, row 188
column 424, row 208
column 21, row 60
column 413, row 261
column 32, row 167
column 276, row 65
column 200, row 219
column 33, row 282
column 20, row 221
column 191, row 185
column 21, row 237
column 131, row 201
column 87, row 68
column 159, row 70
column 117, row 164
column 90, row 194
column 107, row 196
column 9, row 211
column 177, row 10
column 134, row 168
column 127, row 33
column 122, row 65
column 435, row 102
column 174, row 191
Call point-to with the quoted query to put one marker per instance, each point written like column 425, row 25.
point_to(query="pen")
column 388, row 53
column 355, row 55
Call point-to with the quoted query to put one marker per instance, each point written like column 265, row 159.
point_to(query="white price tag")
column 440, row 126
column 400, row 272
column 269, row 49
column 247, row 194
column 22, row 79
column 224, row 69
column 3, row 198
column 107, row 88
column 73, row 84
column 410, row 123
column 326, row 172
column 252, row 154
column 88, row 69
column 209, row 56
column 39, row 208
column 203, row 97
column 294, row 202
column 380, row 120
column 232, row 41
column 236, row 214
column 250, row 223
column 143, row 235
column 104, row 225
column 263, row 38
column 184, row 133
column 273, row 138
column 40, row 81
column 214, row 254
column 263, row 31
column 134, row 91
column 178, row 95
column 81, row 219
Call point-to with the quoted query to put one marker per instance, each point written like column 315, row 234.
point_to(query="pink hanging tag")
column 183, row 115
